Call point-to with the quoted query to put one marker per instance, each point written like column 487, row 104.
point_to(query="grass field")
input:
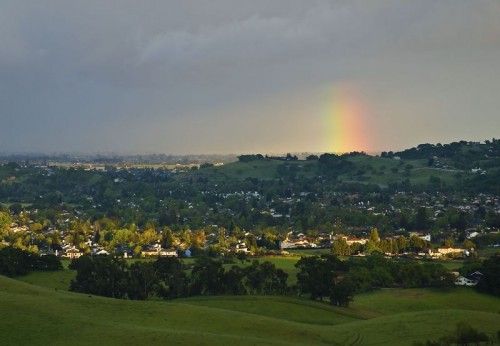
column 382, row 171
column 366, row 169
column 260, row 169
column 33, row 315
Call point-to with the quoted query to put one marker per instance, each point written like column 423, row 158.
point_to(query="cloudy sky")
column 239, row 76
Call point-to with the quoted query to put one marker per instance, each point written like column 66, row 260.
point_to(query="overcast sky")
column 240, row 76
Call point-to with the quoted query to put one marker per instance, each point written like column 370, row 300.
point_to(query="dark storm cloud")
column 145, row 76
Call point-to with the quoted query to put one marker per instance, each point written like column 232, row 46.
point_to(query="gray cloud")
column 144, row 76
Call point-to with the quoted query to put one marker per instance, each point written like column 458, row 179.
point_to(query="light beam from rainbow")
column 347, row 121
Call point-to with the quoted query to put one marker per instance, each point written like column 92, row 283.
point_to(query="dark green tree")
column 490, row 282
column 207, row 277
column 172, row 279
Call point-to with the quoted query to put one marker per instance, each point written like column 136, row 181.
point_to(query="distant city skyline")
column 236, row 77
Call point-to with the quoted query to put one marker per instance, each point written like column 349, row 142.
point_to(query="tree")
column 5, row 220
column 464, row 334
column 207, row 277
column 168, row 238
column 313, row 278
column 449, row 242
column 360, row 279
column 143, row 280
column 490, row 282
column 233, row 281
column 417, row 243
column 172, row 279
column 317, row 275
column 253, row 278
column 371, row 247
column 341, row 248
column 14, row 261
column 381, row 277
column 421, row 219
column 341, row 293
column 469, row 245
column 101, row 275
column 402, row 243
column 374, row 237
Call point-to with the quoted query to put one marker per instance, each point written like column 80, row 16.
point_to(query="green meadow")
column 382, row 171
column 259, row 169
column 366, row 169
column 36, row 315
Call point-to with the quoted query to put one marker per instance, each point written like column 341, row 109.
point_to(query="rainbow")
column 347, row 121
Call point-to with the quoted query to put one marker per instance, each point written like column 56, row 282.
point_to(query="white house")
column 463, row 281
column 168, row 253
column 73, row 253
column 448, row 250
column 351, row 241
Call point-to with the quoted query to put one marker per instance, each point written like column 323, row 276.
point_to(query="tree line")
column 15, row 262
column 464, row 334
column 169, row 278
column 319, row 277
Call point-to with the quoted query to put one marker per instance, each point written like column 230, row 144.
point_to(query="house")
column 449, row 250
column 472, row 234
column 100, row 252
column 426, row 237
column 241, row 247
column 434, row 254
column 463, row 281
column 168, row 253
column 287, row 244
column 73, row 253
column 351, row 241
column 150, row 252
column 124, row 251
column 477, row 275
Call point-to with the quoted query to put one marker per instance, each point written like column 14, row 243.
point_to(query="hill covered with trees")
column 255, row 202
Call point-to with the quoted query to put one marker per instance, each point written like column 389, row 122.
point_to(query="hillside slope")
column 39, row 316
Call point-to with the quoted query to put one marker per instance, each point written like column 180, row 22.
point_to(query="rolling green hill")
column 427, row 167
column 40, row 316
column 361, row 169
column 261, row 169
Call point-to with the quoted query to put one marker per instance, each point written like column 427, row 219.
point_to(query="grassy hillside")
column 382, row 171
column 39, row 316
column 364, row 169
column 261, row 169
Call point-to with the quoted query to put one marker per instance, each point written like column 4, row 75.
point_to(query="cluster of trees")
column 340, row 247
column 319, row 276
column 378, row 272
column 168, row 278
column 255, row 157
column 490, row 270
column 326, row 276
column 250, row 157
column 490, row 282
column 461, row 154
column 15, row 262
column 464, row 334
